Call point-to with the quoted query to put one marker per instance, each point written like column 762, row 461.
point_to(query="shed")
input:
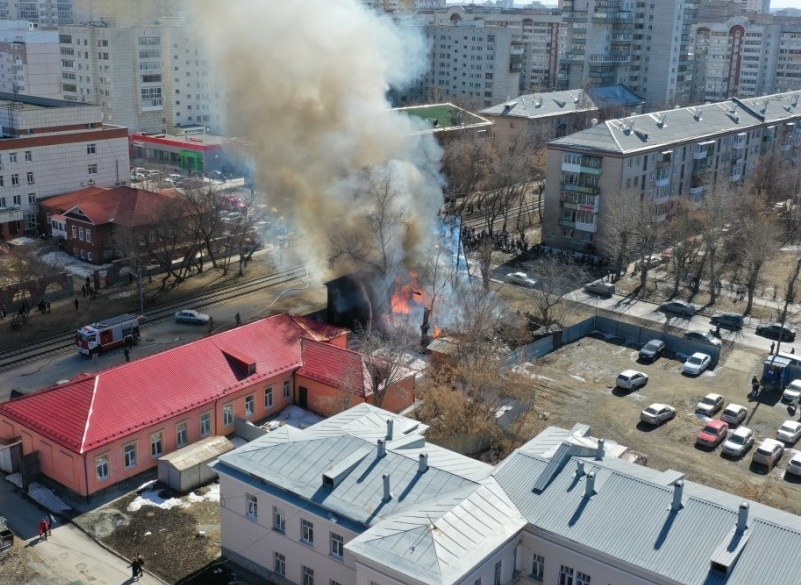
column 185, row 469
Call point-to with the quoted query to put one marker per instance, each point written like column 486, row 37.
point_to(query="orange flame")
column 409, row 301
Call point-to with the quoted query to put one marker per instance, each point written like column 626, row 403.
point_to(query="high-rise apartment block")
column 644, row 45
column 746, row 57
column 45, row 13
column 150, row 78
column 30, row 63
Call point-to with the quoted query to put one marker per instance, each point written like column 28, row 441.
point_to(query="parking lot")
column 577, row 385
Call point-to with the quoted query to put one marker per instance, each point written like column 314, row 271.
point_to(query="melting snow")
column 15, row 478
column 578, row 378
column 294, row 416
column 70, row 264
column 153, row 498
column 47, row 498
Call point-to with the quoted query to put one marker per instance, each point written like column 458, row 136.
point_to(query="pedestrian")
column 130, row 278
column 141, row 560
column 83, row 290
column 136, row 566
column 792, row 350
column 2, row 311
column 48, row 307
column 76, row 308
column 43, row 529
column 238, row 319
column 88, row 282
column 211, row 324
column 772, row 346
column 127, row 353
column 51, row 520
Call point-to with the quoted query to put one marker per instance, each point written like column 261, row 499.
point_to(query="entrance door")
column 303, row 397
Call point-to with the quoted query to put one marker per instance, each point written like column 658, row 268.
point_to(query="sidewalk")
column 68, row 552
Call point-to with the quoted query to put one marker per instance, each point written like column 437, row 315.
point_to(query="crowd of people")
column 501, row 241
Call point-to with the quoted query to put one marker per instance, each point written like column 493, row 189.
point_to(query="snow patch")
column 238, row 441
column 294, row 416
column 152, row 497
column 16, row 479
column 577, row 378
column 71, row 264
column 46, row 498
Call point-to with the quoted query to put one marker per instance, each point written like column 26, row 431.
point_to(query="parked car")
column 731, row 321
column 657, row 413
column 710, row 404
column 789, row 432
column 190, row 316
column 520, row 279
column 776, row 331
column 792, row 392
column 703, row 336
column 174, row 177
column 632, row 379
column 734, row 414
column 794, row 465
column 216, row 175
column 696, row 364
column 137, row 177
column 677, row 308
column 153, row 173
column 650, row 261
column 652, row 350
column 712, row 434
column 768, row 453
column 600, row 287
column 738, row 442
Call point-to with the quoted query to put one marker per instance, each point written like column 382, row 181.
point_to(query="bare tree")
column 681, row 233
column 554, row 281
column 716, row 213
column 386, row 354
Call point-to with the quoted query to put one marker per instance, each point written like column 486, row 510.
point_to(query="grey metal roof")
column 618, row 95
column 628, row 517
column 543, row 105
column 666, row 128
column 199, row 452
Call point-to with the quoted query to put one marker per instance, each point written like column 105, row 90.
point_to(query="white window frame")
column 537, row 567
column 279, row 564
column 566, row 575
column 306, row 575
column 252, row 506
column 582, row 578
column 268, row 397
column 102, row 469
column 279, row 519
column 157, row 444
column 91, row 148
column 205, row 424
column 250, row 405
column 307, row 532
column 129, row 455
column 287, row 389
column 182, row 433
column 31, row 178
column 228, row 414
column 337, row 546
column 28, row 156
column 92, row 169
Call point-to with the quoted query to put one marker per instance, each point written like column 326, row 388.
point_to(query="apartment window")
column 16, row 199
column 279, row 565
column 80, row 234
column 14, row 180
column 337, row 546
column 2, row 202
column 498, row 569
column 287, row 389
column 582, row 578
column 28, row 156
column 250, row 404
column 2, row 181
column 31, row 180
column 306, row 532
column 252, row 506
column 181, row 434
column 279, row 519
column 537, row 567
column 205, row 424
column 93, row 169
column 129, row 455
column 32, row 199
column 91, row 149
column 12, row 157
column 156, row 444
column 89, row 256
column 74, row 232
column 268, row 397
column 228, row 414
column 101, row 467
column 88, row 233
column 307, row 575
column 566, row 576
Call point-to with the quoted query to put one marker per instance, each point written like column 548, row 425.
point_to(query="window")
column 88, row 235
column 477, row 581
column 582, row 579
column 101, row 467
column 332, row 582
column 268, row 397
column 307, row 532
column 279, row 519
column 287, row 389
column 16, row 199
column 93, row 169
column 307, row 575
column 156, row 444
column 28, row 156
column 89, row 256
column 74, row 232
column 32, row 199
column 252, row 505
column 337, row 546
column 250, row 404
column 205, row 424
column 129, row 455
column 15, row 179
column 279, row 566
column 498, row 569
column 228, row 414
column 80, row 233
column 151, row 98
column 537, row 567
column 181, row 434
column 12, row 157
column 566, row 576
column 91, row 149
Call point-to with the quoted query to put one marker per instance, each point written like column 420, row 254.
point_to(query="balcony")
column 581, row 189
column 736, row 176
column 575, row 15
column 567, row 222
column 662, row 181
column 586, row 227
column 661, row 200
column 9, row 214
column 659, row 217
column 518, row 50
column 610, row 17
column 700, row 152
column 697, row 191
column 591, row 165
column 739, row 143
column 614, row 58
column 574, row 56
column 785, row 146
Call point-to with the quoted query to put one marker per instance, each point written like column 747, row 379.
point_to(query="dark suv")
column 731, row 321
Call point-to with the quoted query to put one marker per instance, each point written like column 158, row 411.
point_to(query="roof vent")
column 764, row 107
column 594, row 122
column 662, row 120
column 423, row 466
column 382, row 450
column 539, row 102
column 579, row 468
column 599, row 451
column 560, row 103
column 697, row 115
column 742, row 517
column 589, row 486
column 387, row 490
column 389, row 429
column 678, row 492
column 795, row 101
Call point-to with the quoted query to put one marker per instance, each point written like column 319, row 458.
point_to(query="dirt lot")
column 578, row 387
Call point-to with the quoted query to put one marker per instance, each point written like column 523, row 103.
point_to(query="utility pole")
column 141, row 287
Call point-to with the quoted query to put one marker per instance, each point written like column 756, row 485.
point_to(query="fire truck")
column 108, row 334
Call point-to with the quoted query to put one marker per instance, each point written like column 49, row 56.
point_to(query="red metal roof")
column 94, row 410
column 335, row 366
column 125, row 205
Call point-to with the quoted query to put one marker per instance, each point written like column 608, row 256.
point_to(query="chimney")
column 742, row 517
column 423, row 467
column 579, row 468
column 678, row 492
column 589, row 487
column 389, row 429
column 382, row 450
column 599, row 452
column 387, row 491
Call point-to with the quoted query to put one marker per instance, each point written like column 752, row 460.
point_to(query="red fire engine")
column 113, row 332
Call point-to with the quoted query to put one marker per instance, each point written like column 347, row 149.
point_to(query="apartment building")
column 30, row 63
column 45, row 13
column 363, row 498
column 152, row 78
column 644, row 45
column 50, row 147
column 746, row 57
column 660, row 156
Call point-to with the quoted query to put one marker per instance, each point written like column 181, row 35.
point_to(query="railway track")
column 64, row 341
column 478, row 221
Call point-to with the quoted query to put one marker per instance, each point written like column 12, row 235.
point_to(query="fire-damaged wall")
column 349, row 301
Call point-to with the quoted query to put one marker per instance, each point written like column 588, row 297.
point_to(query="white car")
column 709, row 404
column 734, row 414
column 521, row 279
column 193, row 317
column 657, row 413
column 792, row 393
column 769, row 452
column 738, row 442
column 789, row 432
column 794, row 465
column 631, row 379
column 696, row 364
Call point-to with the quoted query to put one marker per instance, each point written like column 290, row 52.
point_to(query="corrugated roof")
column 202, row 451
column 122, row 205
column 543, row 105
column 91, row 411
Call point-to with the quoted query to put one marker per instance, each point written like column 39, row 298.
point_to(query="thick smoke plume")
column 307, row 84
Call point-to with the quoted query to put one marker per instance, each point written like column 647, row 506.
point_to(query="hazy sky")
column 784, row 4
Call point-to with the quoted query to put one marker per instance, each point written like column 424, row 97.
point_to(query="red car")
column 712, row 434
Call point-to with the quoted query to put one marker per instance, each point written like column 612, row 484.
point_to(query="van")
column 731, row 321
column 599, row 287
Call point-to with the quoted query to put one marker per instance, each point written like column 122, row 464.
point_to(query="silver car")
column 657, row 413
